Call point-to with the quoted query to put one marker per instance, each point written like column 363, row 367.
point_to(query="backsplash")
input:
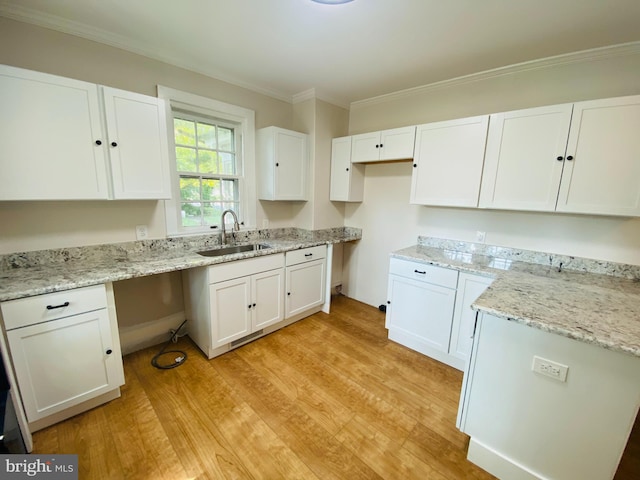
column 566, row 262
column 121, row 251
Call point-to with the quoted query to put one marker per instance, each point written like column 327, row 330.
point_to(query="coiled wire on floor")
column 179, row 360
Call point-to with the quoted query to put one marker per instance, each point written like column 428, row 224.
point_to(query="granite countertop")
column 33, row 273
column 600, row 308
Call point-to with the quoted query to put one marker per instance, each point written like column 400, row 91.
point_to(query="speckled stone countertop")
column 33, row 273
column 588, row 300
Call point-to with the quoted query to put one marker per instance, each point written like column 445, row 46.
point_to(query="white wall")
column 390, row 223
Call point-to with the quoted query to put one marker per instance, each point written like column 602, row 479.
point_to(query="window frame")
column 204, row 107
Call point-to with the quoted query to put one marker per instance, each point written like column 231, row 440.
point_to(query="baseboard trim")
column 497, row 464
column 147, row 334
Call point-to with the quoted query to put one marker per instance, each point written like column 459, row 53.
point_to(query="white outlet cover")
column 141, row 232
column 550, row 369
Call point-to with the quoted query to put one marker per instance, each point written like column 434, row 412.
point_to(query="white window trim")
column 211, row 108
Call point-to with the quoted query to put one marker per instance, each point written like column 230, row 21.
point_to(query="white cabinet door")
column 393, row 144
column 347, row 180
column 137, row 144
column 305, row 287
column 267, row 292
column 448, row 162
column 602, row 167
column 284, row 157
column 422, row 310
column 365, row 147
column 62, row 363
column 524, row 158
column 470, row 287
column 397, row 143
column 230, row 304
column 49, row 130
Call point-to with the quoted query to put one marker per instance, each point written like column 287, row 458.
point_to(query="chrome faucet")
column 236, row 225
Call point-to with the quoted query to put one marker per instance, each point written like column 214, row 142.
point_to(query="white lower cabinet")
column 306, row 273
column 65, row 350
column 226, row 303
column 429, row 309
column 527, row 425
column 470, row 287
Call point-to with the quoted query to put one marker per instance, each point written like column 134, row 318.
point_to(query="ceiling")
column 348, row 52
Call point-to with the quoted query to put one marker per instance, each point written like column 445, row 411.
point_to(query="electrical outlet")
column 480, row 236
column 141, row 232
column 265, row 223
column 549, row 368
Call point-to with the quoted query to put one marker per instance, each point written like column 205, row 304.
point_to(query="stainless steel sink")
column 217, row 252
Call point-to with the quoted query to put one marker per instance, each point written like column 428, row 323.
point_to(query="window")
column 207, row 167
column 213, row 167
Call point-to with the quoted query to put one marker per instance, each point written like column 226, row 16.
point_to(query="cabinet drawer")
column 243, row 268
column 426, row 273
column 306, row 254
column 41, row 308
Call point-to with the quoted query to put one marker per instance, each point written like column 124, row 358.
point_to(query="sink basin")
column 217, row 252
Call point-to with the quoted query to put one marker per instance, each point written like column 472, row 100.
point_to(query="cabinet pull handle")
column 114, row 144
column 381, row 145
column 421, row 273
column 388, row 302
column 347, row 169
column 277, row 164
column 288, row 293
column 415, row 165
column 109, row 351
column 569, row 158
column 377, row 146
column 249, row 306
column 53, row 307
column 560, row 159
column 98, row 142
column 308, row 254
column 254, row 305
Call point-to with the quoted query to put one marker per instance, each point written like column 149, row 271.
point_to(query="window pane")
column 185, row 132
column 228, row 163
column 189, row 188
column 211, row 213
column 186, row 159
column 207, row 161
column 229, row 190
column 211, row 189
column 225, row 139
column 191, row 214
column 206, row 135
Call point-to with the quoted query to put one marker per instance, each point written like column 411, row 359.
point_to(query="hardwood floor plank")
column 383, row 454
column 143, row 448
column 201, row 447
column 310, row 363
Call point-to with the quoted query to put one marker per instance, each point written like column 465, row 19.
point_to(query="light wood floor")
column 328, row 397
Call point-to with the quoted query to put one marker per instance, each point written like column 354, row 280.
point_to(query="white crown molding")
column 312, row 93
column 303, row 96
column 53, row 22
column 623, row 49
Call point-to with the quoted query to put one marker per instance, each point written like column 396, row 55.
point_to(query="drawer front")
column 41, row 308
column 306, row 255
column 444, row 277
column 243, row 268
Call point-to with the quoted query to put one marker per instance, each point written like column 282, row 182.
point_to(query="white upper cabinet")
column 602, row 167
column 448, row 162
column 137, row 144
column 55, row 145
column 524, row 159
column 394, row 144
column 49, row 132
column 283, row 158
column 347, row 180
